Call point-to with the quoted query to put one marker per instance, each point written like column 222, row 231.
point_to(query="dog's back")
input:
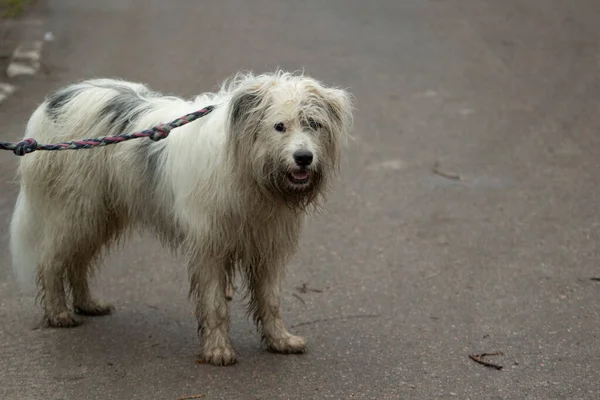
column 62, row 186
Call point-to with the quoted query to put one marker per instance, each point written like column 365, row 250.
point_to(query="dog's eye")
column 314, row 124
column 280, row 127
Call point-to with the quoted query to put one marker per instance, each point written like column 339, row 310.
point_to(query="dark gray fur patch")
column 242, row 106
column 123, row 110
column 57, row 101
column 149, row 153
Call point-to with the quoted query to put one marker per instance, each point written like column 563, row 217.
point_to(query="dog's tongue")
column 300, row 175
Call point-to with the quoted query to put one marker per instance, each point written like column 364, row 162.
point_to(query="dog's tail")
column 24, row 239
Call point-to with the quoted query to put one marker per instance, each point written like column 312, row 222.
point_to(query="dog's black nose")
column 303, row 158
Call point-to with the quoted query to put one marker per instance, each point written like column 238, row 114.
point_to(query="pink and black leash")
column 156, row 133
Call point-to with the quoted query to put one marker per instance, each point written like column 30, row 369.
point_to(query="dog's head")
column 286, row 132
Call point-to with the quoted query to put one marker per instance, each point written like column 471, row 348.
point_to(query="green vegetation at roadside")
column 12, row 8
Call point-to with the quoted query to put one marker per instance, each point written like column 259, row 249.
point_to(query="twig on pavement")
column 196, row 396
column 444, row 174
column 478, row 358
column 305, row 289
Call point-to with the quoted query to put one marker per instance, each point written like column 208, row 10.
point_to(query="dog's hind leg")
column 51, row 278
column 101, row 227
column 209, row 278
column 67, row 254
column 83, row 303
column 78, row 272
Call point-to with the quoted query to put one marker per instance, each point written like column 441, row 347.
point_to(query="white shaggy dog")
column 230, row 190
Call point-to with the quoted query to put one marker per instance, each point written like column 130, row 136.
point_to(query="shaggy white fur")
column 230, row 190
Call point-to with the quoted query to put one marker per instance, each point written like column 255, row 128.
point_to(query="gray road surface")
column 416, row 270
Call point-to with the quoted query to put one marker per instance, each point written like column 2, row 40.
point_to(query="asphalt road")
column 417, row 269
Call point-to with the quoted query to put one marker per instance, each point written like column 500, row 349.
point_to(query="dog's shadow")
column 134, row 337
column 154, row 348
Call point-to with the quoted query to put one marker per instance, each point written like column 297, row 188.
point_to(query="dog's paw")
column 220, row 355
column 291, row 344
column 65, row 319
column 94, row 308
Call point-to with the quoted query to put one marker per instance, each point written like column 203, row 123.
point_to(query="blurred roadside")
column 11, row 14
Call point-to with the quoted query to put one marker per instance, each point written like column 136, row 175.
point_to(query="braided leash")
column 157, row 133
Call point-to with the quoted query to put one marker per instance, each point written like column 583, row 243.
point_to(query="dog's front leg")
column 265, row 287
column 208, row 285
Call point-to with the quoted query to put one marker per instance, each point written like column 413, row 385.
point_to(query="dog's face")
column 287, row 132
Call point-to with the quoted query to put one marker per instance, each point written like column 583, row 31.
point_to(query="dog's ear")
column 246, row 111
column 338, row 104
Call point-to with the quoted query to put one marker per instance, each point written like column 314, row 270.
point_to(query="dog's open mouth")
column 299, row 177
